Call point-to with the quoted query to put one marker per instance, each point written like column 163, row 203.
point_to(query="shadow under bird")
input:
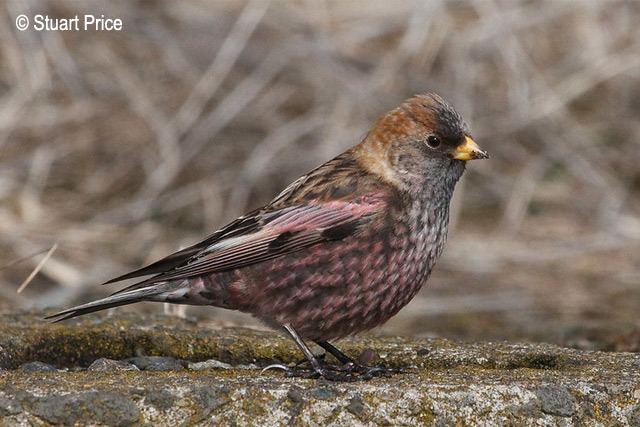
column 341, row 250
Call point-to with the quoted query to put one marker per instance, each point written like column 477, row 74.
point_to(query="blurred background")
column 117, row 148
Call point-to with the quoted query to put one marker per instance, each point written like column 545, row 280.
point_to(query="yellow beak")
column 469, row 150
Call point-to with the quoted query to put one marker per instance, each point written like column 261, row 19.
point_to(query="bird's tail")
column 153, row 292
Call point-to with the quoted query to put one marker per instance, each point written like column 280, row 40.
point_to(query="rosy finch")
column 340, row 250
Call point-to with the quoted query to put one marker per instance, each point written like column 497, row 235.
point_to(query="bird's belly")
column 339, row 288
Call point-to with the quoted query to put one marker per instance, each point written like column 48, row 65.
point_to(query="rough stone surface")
column 443, row 382
column 102, row 407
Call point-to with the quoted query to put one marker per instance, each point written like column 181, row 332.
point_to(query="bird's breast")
column 341, row 287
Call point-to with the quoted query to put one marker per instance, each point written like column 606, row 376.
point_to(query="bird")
column 339, row 251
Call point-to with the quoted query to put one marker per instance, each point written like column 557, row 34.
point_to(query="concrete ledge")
column 444, row 382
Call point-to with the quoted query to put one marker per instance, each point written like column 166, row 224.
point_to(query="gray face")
column 428, row 160
column 420, row 168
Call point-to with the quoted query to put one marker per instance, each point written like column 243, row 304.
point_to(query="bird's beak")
column 469, row 150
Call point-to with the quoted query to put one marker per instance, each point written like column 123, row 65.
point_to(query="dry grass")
column 122, row 147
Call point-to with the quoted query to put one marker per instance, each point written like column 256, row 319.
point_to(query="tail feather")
column 149, row 293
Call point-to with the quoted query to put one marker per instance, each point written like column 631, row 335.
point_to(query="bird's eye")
column 433, row 141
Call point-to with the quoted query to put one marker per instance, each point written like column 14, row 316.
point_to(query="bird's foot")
column 350, row 370
column 347, row 373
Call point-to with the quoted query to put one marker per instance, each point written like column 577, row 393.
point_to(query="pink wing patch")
column 283, row 231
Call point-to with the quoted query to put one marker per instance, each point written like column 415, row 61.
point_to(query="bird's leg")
column 317, row 370
column 329, row 348
column 351, row 365
column 315, row 364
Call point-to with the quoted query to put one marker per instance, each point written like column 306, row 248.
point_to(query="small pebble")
column 295, row 394
column 110, row 365
column 556, row 400
column 366, row 356
column 37, row 367
column 9, row 406
column 156, row 363
column 423, row 351
column 249, row 366
column 209, row 364
column 322, row 393
column 356, row 406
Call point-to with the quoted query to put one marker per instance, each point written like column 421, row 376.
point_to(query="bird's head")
column 422, row 140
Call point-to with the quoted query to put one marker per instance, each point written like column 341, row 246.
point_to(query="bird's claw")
column 291, row 372
column 275, row 366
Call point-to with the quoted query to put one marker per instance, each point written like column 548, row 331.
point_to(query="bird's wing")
column 244, row 224
column 267, row 235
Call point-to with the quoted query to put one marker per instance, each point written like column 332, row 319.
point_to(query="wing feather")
column 242, row 225
column 277, row 233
